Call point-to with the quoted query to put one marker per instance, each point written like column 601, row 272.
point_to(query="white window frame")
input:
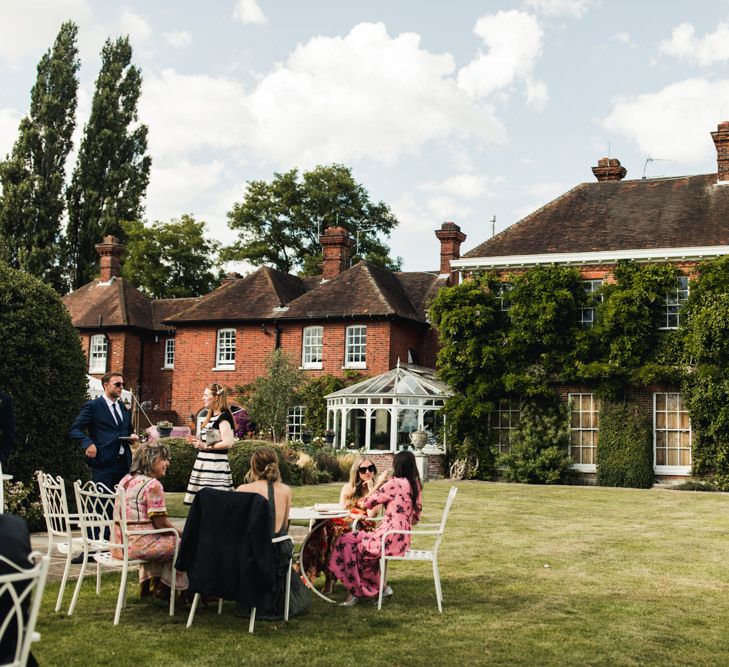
column 587, row 315
column 355, row 348
column 502, row 291
column 98, row 354
column 312, row 347
column 169, row 358
column 675, row 298
column 684, row 470
column 594, row 412
column 295, row 422
column 503, row 432
column 224, row 350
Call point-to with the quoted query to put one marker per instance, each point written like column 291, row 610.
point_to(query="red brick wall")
column 436, row 463
column 157, row 384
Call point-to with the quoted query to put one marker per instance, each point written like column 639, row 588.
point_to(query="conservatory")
column 380, row 413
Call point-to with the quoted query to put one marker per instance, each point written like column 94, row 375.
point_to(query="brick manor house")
column 681, row 220
column 361, row 318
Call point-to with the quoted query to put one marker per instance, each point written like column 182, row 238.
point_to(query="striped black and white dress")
column 211, row 467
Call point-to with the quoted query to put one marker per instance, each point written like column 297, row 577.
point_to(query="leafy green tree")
column 279, row 222
column 33, row 176
column 170, row 259
column 112, row 170
column 269, row 397
column 313, row 395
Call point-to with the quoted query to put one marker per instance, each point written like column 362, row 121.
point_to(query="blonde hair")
column 264, row 465
column 220, row 401
column 146, row 455
column 357, row 489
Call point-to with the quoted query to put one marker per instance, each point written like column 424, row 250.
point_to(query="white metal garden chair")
column 23, row 588
column 60, row 524
column 435, row 530
column 99, row 510
column 252, row 621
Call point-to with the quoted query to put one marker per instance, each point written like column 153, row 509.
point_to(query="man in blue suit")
column 99, row 427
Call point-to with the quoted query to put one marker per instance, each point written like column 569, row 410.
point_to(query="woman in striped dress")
column 216, row 437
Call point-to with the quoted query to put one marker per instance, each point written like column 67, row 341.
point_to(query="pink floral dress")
column 356, row 558
column 145, row 498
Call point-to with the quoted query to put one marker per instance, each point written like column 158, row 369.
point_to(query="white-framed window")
column 675, row 298
column 671, row 434
column 295, row 422
column 225, row 349
column 312, row 347
column 169, row 353
column 504, row 421
column 355, row 355
column 503, row 296
column 587, row 315
column 98, row 353
column 584, row 429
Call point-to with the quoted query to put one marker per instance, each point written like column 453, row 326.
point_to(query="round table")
column 312, row 515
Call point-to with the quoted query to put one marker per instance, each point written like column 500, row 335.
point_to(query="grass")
column 531, row 576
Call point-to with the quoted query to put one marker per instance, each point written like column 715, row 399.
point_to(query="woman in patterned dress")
column 146, row 510
column 211, row 467
column 325, row 533
column 356, row 558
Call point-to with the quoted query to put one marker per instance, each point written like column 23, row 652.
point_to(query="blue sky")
column 445, row 110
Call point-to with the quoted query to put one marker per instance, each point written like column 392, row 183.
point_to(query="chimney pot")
column 335, row 243
column 230, row 277
column 721, row 141
column 609, row 169
column 109, row 251
column 450, row 237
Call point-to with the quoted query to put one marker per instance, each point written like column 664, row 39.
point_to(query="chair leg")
column 383, row 566
column 79, row 581
column 98, row 578
column 220, row 606
column 64, row 579
column 438, row 590
column 173, row 590
column 122, row 594
column 287, row 599
column 253, row 620
column 193, row 608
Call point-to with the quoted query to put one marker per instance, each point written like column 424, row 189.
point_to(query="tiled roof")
column 109, row 304
column 421, row 288
column 163, row 309
column 684, row 212
column 253, row 297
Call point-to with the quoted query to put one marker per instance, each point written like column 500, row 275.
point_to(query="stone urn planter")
column 418, row 439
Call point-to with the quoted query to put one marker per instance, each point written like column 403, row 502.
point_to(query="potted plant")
column 329, row 436
column 164, row 428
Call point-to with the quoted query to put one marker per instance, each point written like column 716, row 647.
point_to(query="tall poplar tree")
column 33, row 175
column 112, row 171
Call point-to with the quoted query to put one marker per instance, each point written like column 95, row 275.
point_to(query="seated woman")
column 146, row 510
column 356, row 558
column 318, row 549
column 264, row 478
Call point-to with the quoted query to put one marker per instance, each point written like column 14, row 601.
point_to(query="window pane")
column 98, row 350
column 226, row 347
column 312, row 346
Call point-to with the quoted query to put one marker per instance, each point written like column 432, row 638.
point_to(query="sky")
column 446, row 110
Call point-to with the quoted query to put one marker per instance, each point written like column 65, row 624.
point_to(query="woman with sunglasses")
column 356, row 558
column 318, row 549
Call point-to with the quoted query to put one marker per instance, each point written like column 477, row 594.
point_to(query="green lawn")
column 531, row 575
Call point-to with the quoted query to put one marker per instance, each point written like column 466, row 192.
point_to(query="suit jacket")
column 226, row 547
column 7, row 427
column 95, row 424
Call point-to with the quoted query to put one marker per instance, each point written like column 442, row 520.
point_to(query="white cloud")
column 9, row 121
column 248, row 11
column 28, row 27
column 673, row 123
column 178, row 39
column 574, row 8
column 514, row 41
column 712, row 48
column 134, row 25
column 536, row 93
column 623, row 37
column 181, row 186
column 467, row 186
column 446, row 208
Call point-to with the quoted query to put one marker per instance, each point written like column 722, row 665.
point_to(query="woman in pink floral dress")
column 146, row 510
column 356, row 558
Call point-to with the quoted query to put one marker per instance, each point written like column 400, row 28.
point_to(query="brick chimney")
column 335, row 243
column 230, row 277
column 450, row 237
column 609, row 169
column 109, row 250
column 721, row 141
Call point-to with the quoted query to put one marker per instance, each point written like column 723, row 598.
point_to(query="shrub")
column 326, row 462
column 626, row 447
column 20, row 500
column 695, row 485
column 539, row 445
column 345, row 462
column 41, row 354
column 182, row 456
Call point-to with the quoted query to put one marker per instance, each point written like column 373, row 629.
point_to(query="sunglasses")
column 118, row 384
column 369, row 468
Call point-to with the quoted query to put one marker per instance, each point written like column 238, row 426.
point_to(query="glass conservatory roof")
column 401, row 381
